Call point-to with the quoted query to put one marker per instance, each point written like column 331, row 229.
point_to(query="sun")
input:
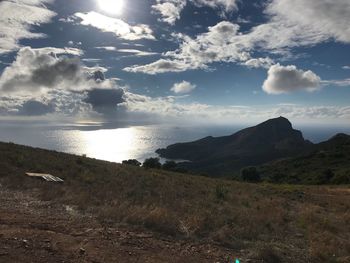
column 111, row 6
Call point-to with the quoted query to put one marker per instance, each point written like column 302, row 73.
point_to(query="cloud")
column 219, row 44
column 171, row 109
column 159, row 66
column 289, row 24
column 286, row 79
column 183, row 87
column 299, row 23
column 18, row 19
column 107, row 48
column 170, row 10
column 40, row 70
column 105, row 101
column 59, row 51
column 35, row 108
column 259, row 63
column 337, row 82
column 226, row 5
column 105, row 97
column 124, row 105
column 92, row 60
column 346, row 67
column 117, row 26
column 136, row 52
column 317, row 20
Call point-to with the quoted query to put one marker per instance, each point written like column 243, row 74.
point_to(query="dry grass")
column 304, row 222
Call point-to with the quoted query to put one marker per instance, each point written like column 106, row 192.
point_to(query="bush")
column 325, row 177
column 250, row 174
column 169, row 165
column 221, row 192
column 276, row 177
column 132, row 162
column 152, row 163
column 341, row 178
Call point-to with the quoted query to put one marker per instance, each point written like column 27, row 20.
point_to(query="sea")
column 134, row 142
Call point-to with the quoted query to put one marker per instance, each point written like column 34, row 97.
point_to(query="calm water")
column 124, row 143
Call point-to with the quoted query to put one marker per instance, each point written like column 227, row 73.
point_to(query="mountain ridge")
column 270, row 140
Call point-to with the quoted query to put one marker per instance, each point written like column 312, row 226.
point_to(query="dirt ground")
column 35, row 231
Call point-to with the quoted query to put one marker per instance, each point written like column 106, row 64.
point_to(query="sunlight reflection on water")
column 116, row 145
column 113, row 145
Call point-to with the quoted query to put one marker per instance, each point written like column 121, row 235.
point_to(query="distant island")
column 274, row 147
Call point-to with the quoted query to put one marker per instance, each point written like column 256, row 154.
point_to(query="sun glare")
column 111, row 6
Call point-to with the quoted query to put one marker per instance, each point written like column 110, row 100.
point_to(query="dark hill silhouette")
column 338, row 141
column 267, row 141
column 328, row 163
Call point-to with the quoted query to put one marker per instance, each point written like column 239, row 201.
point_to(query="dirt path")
column 35, row 231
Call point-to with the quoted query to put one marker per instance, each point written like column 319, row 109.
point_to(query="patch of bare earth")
column 36, row 231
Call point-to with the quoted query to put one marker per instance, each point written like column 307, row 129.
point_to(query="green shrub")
column 221, row 192
column 169, row 165
column 250, row 174
column 132, row 162
column 152, row 163
column 325, row 177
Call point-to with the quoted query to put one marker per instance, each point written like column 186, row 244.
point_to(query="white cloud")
column 59, row 51
column 217, row 45
column 171, row 109
column 259, row 63
column 183, row 87
column 226, row 5
column 92, row 60
column 17, row 20
column 290, row 24
column 286, row 79
column 170, row 10
column 160, row 66
column 300, row 23
column 36, row 71
column 107, row 48
column 317, row 20
column 134, row 52
column 346, row 67
column 337, row 82
column 117, row 26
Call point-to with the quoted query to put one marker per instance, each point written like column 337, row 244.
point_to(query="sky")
column 176, row 61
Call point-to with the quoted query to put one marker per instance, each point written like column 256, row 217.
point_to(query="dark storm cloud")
column 65, row 69
column 38, row 70
column 105, row 101
column 35, row 108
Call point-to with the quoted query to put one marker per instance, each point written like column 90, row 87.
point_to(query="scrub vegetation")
column 277, row 223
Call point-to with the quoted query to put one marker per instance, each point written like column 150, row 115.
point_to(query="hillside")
column 329, row 163
column 256, row 145
column 107, row 212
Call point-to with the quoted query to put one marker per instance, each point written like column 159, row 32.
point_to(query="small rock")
column 25, row 243
column 82, row 251
column 130, row 253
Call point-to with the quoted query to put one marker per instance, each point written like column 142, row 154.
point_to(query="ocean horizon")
column 135, row 142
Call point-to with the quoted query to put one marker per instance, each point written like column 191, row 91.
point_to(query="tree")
column 250, row 174
column 325, row 177
column 152, row 163
column 169, row 165
column 132, row 162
